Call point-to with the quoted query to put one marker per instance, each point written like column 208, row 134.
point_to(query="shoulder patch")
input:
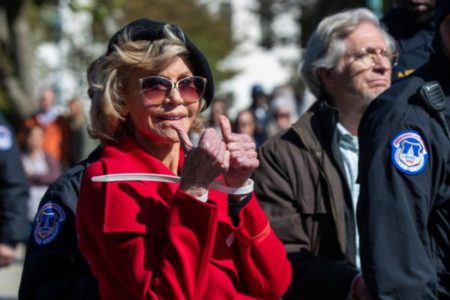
column 408, row 152
column 47, row 223
column 6, row 138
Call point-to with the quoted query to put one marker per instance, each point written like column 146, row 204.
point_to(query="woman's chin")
column 168, row 136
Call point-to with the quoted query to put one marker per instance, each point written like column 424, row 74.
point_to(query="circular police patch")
column 47, row 223
column 408, row 152
column 6, row 139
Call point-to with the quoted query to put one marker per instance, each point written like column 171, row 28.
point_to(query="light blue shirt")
column 349, row 149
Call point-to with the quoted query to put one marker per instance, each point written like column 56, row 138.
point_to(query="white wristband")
column 203, row 198
column 217, row 185
column 247, row 188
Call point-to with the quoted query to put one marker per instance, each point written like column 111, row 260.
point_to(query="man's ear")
column 326, row 75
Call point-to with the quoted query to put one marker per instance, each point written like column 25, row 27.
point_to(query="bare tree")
column 15, row 79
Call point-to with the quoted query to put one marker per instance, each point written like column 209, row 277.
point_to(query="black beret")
column 441, row 10
column 149, row 30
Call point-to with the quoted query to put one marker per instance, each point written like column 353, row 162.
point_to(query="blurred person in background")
column 50, row 118
column 13, row 195
column 282, row 114
column 219, row 107
column 260, row 109
column 306, row 181
column 410, row 23
column 80, row 144
column 180, row 240
column 281, row 119
column 245, row 123
column 40, row 167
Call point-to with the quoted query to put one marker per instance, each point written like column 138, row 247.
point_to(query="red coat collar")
column 127, row 156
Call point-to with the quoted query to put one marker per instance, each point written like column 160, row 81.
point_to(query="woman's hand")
column 232, row 154
column 203, row 163
column 243, row 156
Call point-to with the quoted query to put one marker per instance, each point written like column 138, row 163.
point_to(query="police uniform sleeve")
column 13, row 189
column 398, row 165
column 54, row 268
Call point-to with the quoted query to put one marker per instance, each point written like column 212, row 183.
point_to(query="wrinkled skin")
column 231, row 154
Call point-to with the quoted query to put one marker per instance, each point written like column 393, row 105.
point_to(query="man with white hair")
column 307, row 177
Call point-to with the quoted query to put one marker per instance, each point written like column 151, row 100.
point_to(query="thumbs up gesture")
column 203, row 163
column 243, row 156
column 233, row 155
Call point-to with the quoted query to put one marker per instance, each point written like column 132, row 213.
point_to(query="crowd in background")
column 267, row 114
column 52, row 140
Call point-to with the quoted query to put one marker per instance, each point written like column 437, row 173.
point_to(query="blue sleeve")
column 13, row 189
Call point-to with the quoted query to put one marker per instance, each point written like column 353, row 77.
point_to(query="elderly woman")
column 147, row 233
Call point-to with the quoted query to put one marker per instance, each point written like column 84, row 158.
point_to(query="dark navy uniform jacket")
column 404, row 205
column 13, row 189
column 413, row 42
column 54, row 268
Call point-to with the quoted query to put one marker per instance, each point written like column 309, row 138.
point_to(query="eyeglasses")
column 369, row 56
column 157, row 88
column 282, row 115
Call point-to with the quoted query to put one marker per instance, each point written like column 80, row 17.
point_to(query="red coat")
column 150, row 240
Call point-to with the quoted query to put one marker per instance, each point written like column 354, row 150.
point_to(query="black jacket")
column 54, row 268
column 13, row 189
column 413, row 41
column 404, row 205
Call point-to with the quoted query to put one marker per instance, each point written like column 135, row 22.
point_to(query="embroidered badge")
column 47, row 223
column 408, row 152
column 5, row 138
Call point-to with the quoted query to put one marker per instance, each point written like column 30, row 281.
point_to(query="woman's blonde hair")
column 108, row 118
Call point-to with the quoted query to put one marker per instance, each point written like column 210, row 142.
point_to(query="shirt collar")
column 346, row 139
